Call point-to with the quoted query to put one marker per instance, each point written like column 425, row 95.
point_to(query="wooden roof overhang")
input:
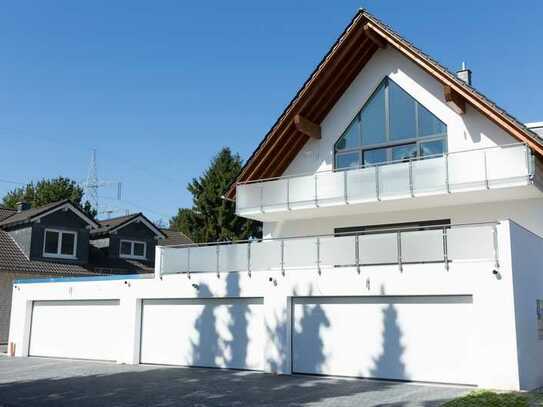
column 354, row 48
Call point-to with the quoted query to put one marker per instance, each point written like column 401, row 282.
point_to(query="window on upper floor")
column 392, row 126
column 59, row 243
column 133, row 249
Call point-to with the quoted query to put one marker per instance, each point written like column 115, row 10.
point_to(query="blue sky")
column 159, row 87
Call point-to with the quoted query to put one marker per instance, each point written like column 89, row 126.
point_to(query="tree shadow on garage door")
column 389, row 364
column 46, row 382
column 214, row 346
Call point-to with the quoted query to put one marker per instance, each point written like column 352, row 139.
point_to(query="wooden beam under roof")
column 455, row 101
column 307, row 127
column 374, row 37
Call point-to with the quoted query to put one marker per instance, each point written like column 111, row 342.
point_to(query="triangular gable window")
column 392, row 126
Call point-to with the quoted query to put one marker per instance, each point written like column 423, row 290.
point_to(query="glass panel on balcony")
column 506, row 166
column 203, row 259
column 233, row 257
column 429, row 176
column 348, row 160
column 467, row 170
column 175, row 260
column 361, row 185
column 302, row 191
column 330, row 187
column 470, row 243
column 248, row 197
column 300, row 253
column 394, row 180
column 379, row 248
column 274, row 194
column 422, row 246
column 266, row 255
column 337, row 251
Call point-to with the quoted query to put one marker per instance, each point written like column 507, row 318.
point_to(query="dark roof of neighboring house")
column 6, row 213
column 12, row 259
column 331, row 78
column 100, row 262
column 109, row 225
column 29, row 214
column 174, row 238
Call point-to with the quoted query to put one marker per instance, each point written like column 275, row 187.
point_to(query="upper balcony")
column 488, row 174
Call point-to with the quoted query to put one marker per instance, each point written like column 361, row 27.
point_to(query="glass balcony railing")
column 446, row 244
column 472, row 170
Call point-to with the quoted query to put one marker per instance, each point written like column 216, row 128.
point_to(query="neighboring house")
column 403, row 240
column 60, row 240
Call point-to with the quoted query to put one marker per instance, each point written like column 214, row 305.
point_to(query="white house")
column 403, row 222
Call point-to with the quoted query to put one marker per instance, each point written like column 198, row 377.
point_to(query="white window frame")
column 58, row 254
column 132, row 255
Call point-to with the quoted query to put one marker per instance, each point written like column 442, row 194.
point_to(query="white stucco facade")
column 470, row 319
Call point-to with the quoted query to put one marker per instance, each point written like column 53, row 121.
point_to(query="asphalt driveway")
column 54, row 382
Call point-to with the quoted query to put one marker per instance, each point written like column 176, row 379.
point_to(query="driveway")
column 55, row 382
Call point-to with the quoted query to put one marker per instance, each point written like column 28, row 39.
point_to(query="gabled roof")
column 349, row 54
column 108, row 226
column 13, row 260
column 6, row 213
column 174, row 238
column 32, row 214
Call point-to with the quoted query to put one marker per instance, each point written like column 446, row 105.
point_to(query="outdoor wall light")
column 497, row 274
column 195, row 286
column 126, row 283
column 273, row 280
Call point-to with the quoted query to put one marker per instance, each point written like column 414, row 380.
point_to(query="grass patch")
column 485, row 398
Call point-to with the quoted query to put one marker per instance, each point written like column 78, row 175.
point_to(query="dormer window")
column 392, row 126
column 132, row 249
column 60, row 244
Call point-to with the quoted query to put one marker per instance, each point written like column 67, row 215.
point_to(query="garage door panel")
column 402, row 338
column 203, row 332
column 75, row 329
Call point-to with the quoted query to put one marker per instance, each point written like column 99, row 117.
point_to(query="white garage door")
column 203, row 332
column 403, row 338
column 75, row 329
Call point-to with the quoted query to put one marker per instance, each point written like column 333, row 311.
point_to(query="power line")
column 7, row 181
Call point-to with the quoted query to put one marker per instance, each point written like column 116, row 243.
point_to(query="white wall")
column 528, row 213
column 526, row 249
column 493, row 337
column 467, row 131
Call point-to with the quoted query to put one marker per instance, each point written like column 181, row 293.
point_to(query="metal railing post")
column 319, row 255
column 529, row 162
column 357, row 253
column 445, row 249
column 411, row 178
column 262, row 198
column 495, row 243
column 377, row 186
column 399, row 243
column 188, row 262
column 249, row 258
column 487, row 185
column 288, row 194
column 217, row 251
column 447, row 182
column 345, row 191
column 316, row 193
column 283, row 257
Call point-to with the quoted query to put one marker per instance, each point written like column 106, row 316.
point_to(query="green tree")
column 211, row 217
column 48, row 191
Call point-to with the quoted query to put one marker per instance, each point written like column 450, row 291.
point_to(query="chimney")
column 22, row 206
column 464, row 74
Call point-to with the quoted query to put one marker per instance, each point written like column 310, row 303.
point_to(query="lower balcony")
column 489, row 174
column 443, row 244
